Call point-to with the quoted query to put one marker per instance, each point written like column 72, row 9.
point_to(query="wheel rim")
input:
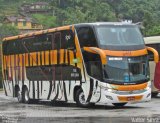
column 26, row 96
column 82, row 99
column 19, row 96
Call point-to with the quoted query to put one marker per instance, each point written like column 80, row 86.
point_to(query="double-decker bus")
column 87, row 63
column 154, row 42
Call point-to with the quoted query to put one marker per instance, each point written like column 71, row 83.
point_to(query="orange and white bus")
column 86, row 63
column 154, row 42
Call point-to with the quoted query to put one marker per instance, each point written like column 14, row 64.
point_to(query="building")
column 23, row 23
column 33, row 8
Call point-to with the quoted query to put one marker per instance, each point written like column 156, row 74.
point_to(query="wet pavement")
column 46, row 112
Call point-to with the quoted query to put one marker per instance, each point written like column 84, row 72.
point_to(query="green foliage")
column 80, row 11
column 8, row 30
column 47, row 21
column 153, row 31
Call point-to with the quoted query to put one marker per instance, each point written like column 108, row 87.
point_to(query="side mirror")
column 156, row 55
column 96, row 50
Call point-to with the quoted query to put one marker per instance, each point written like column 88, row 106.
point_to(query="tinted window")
column 119, row 37
column 86, row 37
column 57, row 40
column 12, row 47
column 56, row 44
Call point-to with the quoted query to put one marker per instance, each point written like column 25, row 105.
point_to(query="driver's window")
column 92, row 61
column 86, row 37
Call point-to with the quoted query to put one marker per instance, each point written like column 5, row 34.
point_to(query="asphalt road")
column 46, row 112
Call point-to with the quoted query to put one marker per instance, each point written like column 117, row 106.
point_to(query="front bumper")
column 110, row 96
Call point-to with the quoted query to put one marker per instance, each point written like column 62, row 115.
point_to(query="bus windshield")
column 128, row 70
column 119, row 37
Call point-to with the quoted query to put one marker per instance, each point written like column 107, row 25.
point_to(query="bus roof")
column 37, row 33
column 105, row 23
column 63, row 28
column 152, row 40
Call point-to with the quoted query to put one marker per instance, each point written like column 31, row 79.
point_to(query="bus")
column 89, row 63
column 154, row 42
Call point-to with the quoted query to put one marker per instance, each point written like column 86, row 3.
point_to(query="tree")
column 8, row 30
column 47, row 21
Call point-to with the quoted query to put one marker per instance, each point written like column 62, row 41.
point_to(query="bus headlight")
column 148, row 88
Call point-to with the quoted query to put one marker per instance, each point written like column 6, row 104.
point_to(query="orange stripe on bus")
column 31, row 60
column 156, row 55
column 66, row 60
column 34, row 58
column 20, row 60
column 53, row 57
column 4, row 62
column 126, row 53
column 42, row 57
column 71, row 56
column 8, row 61
column 129, row 87
column 61, row 56
column 47, row 57
column 26, row 59
column 39, row 60
column 12, row 60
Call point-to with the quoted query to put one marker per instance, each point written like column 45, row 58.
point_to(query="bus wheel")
column 119, row 104
column 154, row 94
column 25, row 96
column 80, row 99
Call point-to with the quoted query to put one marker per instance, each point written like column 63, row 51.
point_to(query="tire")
column 154, row 94
column 119, row 104
column 80, row 99
column 25, row 96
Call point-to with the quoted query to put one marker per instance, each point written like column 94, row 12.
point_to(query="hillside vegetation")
column 66, row 12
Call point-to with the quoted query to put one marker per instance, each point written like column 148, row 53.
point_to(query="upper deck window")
column 119, row 36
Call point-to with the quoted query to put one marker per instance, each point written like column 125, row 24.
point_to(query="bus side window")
column 86, row 37
column 68, row 37
column 28, row 44
column 57, row 41
column 42, row 43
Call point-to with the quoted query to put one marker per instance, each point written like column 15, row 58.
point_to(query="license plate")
column 131, row 98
